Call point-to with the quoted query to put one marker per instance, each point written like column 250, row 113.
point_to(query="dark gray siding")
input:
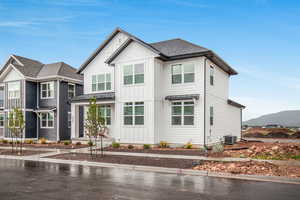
column 30, row 128
column 31, row 95
column 49, row 133
column 79, row 91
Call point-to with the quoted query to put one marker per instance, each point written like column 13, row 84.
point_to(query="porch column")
column 74, row 121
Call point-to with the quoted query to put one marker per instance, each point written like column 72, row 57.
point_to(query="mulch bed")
column 171, row 151
column 130, row 160
column 50, row 146
column 16, row 153
column 250, row 168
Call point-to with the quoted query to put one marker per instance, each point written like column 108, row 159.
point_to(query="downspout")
column 241, row 123
column 37, row 106
column 204, row 105
column 57, row 109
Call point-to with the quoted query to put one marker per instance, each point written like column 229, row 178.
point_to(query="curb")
column 177, row 171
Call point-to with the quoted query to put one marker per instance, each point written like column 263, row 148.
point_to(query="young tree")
column 94, row 123
column 16, row 125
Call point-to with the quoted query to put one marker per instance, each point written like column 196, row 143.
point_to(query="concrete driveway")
column 42, row 181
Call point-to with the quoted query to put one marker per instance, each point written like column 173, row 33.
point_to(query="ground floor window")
column 47, row 120
column 1, row 120
column 105, row 112
column 69, row 120
column 134, row 113
column 183, row 113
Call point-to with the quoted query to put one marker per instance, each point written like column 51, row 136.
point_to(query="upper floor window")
column 183, row 73
column 211, row 75
column 1, row 96
column 47, row 120
column 101, row 82
column 183, row 113
column 13, row 89
column 133, row 74
column 47, row 90
column 105, row 112
column 69, row 120
column 1, row 120
column 71, row 90
column 211, row 115
column 134, row 113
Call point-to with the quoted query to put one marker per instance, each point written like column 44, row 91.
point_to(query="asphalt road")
column 26, row 180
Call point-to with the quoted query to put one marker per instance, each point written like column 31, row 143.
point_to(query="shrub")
column 217, row 148
column 90, row 143
column 67, row 142
column 10, row 142
column 18, row 142
column 188, row 145
column 78, row 143
column 4, row 141
column 163, row 144
column 28, row 141
column 43, row 141
column 146, row 146
column 115, row 145
column 130, row 146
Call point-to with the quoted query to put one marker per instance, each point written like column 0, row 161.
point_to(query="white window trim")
column 41, row 119
column 105, row 114
column 8, row 90
column 182, row 74
column 133, row 114
column 133, row 74
column 73, row 91
column 182, row 125
column 41, row 93
column 105, row 83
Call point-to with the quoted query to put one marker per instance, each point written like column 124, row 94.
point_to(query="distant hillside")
column 284, row 118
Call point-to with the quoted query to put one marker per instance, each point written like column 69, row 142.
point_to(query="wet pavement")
column 22, row 180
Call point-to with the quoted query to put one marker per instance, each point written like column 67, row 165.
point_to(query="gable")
column 12, row 75
column 108, row 50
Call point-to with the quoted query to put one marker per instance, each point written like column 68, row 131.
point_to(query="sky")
column 258, row 38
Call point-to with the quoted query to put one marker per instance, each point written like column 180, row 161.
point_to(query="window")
column 211, row 115
column 101, row 82
column 1, row 120
column 47, row 90
column 183, row 73
column 47, row 120
column 71, row 90
column 183, row 113
column 105, row 112
column 211, row 75
column 13, row 90
column 133, row 74
column 134, row 113
column 1, row 96
column 69, row 120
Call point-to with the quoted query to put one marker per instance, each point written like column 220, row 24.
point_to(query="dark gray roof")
column 182, row 97
column 177, row 47
column 35, row 69
column 233, row 103
column 99, row 96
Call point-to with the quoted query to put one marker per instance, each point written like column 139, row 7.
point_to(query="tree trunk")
column 101, row 146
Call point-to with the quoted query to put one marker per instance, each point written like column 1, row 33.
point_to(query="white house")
column 172, row 91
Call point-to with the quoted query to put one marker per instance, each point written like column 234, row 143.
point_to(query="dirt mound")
column 269, row 133
column 296, row 135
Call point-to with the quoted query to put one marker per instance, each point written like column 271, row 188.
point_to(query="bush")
column 115, row 145
column 18, row 142
column 90, row 143
column 43, row 141
column 10, row 142
column 188, row 145
column 4, row 141
column 67, row 142
column 217, row 148
column 130, row 146
column 78, row 143
column 146, row 146
column 163, row 144
column 28, row 142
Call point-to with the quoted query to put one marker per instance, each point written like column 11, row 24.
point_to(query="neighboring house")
column 173, row 91
column 43, row 92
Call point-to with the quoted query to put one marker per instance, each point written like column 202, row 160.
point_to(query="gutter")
column 204, row 104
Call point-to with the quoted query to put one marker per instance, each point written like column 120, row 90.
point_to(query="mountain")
column 290, row 118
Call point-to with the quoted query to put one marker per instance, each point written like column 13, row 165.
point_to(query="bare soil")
column 50, row 145
column 130, row 160
column 16, row 153
column 283, row 133
column 251, row 168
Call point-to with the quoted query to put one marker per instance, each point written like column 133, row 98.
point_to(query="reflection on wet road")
column 22, row 180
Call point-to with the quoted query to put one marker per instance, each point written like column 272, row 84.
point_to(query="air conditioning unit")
column 229, row 139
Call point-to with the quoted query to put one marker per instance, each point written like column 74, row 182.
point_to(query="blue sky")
column 259, row 38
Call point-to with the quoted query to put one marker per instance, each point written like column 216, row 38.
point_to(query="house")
column 43, row 92
column 173, row 91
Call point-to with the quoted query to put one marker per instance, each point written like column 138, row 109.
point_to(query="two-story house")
column 43, row 92
column 173, row 91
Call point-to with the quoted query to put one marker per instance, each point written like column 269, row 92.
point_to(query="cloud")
column 76, row 2
column 17, row 24
column 188, row 3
